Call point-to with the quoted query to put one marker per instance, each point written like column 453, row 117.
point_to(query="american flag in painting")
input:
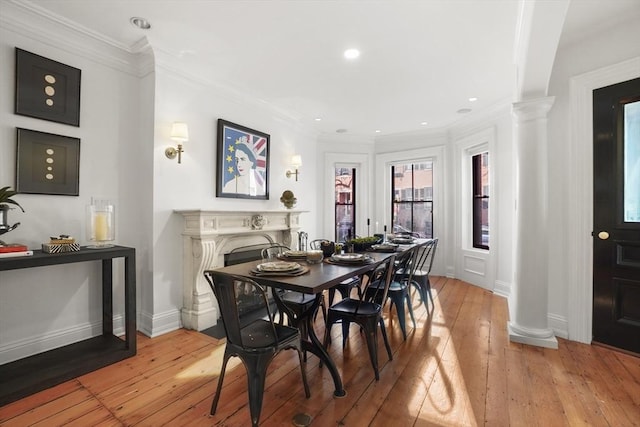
column 257, row 144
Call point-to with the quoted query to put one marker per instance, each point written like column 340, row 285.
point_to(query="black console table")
column 38, row 372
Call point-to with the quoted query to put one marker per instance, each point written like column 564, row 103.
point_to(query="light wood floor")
column 457, row 368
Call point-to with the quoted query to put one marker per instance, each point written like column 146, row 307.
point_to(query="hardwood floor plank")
column 456, row 368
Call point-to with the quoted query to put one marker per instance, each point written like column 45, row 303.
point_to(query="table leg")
column 313, row 344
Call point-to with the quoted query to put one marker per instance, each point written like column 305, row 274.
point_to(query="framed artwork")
column 243, row 162
column 47, row 163
column 46, row 89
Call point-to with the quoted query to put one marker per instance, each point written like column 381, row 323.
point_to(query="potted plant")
column 361, row 244
column 6, row 195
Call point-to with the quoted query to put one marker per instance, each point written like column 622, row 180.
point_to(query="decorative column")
column 529, row 323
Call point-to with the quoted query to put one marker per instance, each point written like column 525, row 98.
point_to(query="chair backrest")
column 316, row 244
column 273, row 251
column 383, row 272
column 405, row 265
column 426, row 255
column 224, row 288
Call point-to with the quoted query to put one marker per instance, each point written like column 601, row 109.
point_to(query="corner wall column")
column 529, row 322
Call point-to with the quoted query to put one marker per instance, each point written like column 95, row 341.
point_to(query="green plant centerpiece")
column 361, row 244
column 6, row 200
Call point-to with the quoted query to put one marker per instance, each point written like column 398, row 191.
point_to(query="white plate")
column 278, row 266
column 384, row 246
column 295, row 254
column 348, row 257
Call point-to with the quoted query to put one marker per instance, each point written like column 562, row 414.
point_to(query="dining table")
column 317, row 278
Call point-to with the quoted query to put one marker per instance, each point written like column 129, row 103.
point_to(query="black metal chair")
column 399, row 288
column 291, row 303
column 346, row 286
column 420, row 279
column 256, row 344
column 366, row 313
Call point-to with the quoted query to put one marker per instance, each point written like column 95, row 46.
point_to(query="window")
column 480, row 186
column 345, row 205
column 412, row 206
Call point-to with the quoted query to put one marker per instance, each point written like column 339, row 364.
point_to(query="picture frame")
column 47, row 89
column 47, row 163
column 243, row 162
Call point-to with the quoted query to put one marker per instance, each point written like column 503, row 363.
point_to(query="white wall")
column 192, row 184
column 602, row 50
column 47, row 307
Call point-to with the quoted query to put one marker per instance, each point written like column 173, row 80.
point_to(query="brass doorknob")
column 603, row 235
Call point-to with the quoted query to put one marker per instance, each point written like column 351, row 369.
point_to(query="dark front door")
column 616, row 215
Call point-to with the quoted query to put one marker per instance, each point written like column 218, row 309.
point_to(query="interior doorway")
column 616, row 216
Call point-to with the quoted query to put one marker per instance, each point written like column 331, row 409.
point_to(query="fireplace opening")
column 247, row 301
column 250, row 305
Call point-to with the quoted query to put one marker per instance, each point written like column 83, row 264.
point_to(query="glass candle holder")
column 101, row 224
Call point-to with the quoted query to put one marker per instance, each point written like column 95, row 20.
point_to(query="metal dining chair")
column 399, row 288
column 366, row 313
column 256, row 344
column 346, row 286
column 420, row 279
column 294, row 305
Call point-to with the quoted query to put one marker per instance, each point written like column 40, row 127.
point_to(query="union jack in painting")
column 243, row 157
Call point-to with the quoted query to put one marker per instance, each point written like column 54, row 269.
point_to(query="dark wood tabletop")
column 320, row 276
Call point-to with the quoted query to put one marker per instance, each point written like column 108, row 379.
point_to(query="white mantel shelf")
column 208, row 235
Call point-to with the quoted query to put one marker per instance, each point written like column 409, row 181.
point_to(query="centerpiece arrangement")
column 361, row 244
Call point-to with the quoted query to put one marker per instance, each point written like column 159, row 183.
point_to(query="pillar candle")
column 101, row 227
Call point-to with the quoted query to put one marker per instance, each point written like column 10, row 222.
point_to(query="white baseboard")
column 35, row 344
column 502, row 289
column 153, row 325
column 559, row 325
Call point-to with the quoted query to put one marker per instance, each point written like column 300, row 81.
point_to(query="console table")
column 38, row 372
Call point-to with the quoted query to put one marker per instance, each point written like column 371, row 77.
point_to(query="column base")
column 536, row 337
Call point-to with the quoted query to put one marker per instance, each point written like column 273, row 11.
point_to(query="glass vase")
column 101, row 224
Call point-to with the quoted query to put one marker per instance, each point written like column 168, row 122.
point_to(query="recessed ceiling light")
column 318, row 119
column 473, row 99
column 464, row 110
column 140, row 23
column 351, row 53
column 423, row 123
column 377, row 130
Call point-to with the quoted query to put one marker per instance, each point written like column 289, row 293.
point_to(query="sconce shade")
column 180, row 132
column 296, row 160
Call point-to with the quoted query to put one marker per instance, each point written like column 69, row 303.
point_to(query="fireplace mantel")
column 208, row 235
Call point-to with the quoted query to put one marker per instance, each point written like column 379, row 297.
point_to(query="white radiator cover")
column 207, row 236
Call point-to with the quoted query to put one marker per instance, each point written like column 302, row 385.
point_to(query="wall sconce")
column 180, row 134
column 296, row 162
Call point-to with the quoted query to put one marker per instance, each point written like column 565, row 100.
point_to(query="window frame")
column 409, row 195
column 480, row 195
column 353, row 203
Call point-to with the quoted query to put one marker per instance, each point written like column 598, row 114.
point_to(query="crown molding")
column 31, row 21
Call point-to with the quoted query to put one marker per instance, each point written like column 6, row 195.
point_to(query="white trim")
column 558, row 325
column 465, row 148
column 50, row 340
column 502, row 289
column 382, row 196
column 580, row 247
column 363, row 200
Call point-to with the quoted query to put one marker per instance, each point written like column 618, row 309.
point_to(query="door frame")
column 580, row 289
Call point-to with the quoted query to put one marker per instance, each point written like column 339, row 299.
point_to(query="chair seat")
column 259, row 334
column 297, row 298
column 350, row 305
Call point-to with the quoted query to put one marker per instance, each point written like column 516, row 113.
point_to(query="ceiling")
column 420, row 61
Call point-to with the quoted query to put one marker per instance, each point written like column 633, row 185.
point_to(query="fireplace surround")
column 207, row 236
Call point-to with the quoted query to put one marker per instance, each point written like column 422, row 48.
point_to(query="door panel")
column 616, row 195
